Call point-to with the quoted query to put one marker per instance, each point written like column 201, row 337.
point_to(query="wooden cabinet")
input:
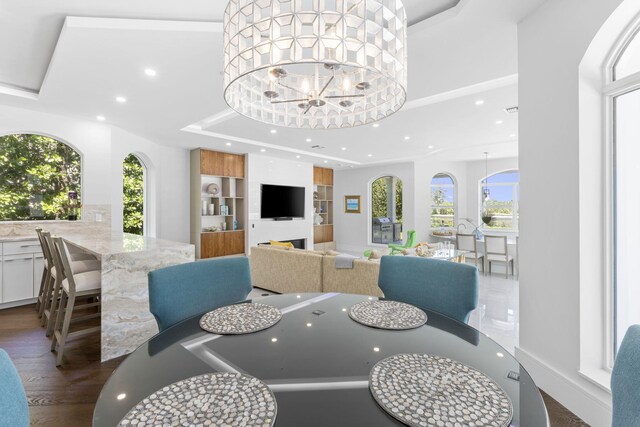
column 221, row 164
column 327, row 176
column 221, row 244
column 322, row 176
column 234, row 243
column 327, row 233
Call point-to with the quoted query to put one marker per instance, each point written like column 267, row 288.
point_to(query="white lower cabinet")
column 17, row 277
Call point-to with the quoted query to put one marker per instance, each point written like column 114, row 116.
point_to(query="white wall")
column 272, row 170
column 103, row 148
column 554, row 266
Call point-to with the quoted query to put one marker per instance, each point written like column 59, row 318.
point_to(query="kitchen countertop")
column 7, row 239
column 118, row 242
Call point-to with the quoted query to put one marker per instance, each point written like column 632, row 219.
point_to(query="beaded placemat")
column 228, row 399
column 387, row 314
column 240, row 319
column 422, row 390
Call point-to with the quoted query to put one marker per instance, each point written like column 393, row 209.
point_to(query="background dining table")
column 316, row 360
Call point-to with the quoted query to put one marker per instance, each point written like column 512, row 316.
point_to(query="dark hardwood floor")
column 66, row 396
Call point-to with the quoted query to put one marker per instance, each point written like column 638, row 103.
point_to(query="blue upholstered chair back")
column 625, row 381
column 14, row 409
column 446, row 287
column 181, row 291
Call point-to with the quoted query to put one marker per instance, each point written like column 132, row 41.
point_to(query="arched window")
column 386, row 202
column 501, row 205
column 443, row 201
column 623, row 96
column 37, row 173
column 133, row 183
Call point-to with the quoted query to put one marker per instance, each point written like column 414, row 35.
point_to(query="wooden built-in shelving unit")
column 323, row 204
column 226, row 170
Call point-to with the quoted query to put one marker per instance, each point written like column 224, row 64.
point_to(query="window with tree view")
column 36, row 174
column 502, row 204
column 443, row 207
column 133, row 195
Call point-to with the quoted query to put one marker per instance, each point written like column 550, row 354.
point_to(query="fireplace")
column 297, row 243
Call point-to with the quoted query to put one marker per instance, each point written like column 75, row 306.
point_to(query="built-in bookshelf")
column 323, row 204
column 218, row 206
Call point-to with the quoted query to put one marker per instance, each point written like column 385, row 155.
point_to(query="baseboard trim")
column 584, row 399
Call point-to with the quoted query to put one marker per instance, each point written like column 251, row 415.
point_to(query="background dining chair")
column 447, row 287
column 411, row 242
column 467, row 242
column 496, row 250
column 181, row 291
column 14, row 409
column 625, row 381
column 75, row 288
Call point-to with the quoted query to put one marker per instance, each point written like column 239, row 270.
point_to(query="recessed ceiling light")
column 308, row 139
column 150, row 72
column 344, row 148
column 121, row 396
column 351, row 166
column 228, row 144
column 121, row 99
column 309, row 325
column 499, row 354
column 480, row 102
column 369, row 155
column 376, row 349
column 406, row 138
column 274, row 339
column 499, row 122
column 326, row 161
column 101, row 118
column 297, row 157
column 273, row 131
column 262, row 150
column 513, row 135
column 376, row 125
column 430, row 147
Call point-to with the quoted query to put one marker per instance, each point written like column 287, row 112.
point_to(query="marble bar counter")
column 126, row 259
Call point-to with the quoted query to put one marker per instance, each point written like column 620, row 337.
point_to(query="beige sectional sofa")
column 285, row 270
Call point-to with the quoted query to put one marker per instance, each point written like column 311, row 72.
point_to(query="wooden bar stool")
column 75, row 286
column 45, row 273
column 51, row 292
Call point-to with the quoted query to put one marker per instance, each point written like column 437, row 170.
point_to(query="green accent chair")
column 182, row 291
column 625, row 381
column 14, row 409
column 411, row 242
column 446, row 287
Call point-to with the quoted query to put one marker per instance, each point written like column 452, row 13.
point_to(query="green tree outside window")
column 36, row 174
column 133, row 195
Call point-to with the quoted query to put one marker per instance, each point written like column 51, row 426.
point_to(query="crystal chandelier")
column 315, row 63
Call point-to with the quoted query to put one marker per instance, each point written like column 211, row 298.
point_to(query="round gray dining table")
column 316, row 360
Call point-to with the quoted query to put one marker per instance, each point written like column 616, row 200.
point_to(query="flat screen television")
column 281, row 201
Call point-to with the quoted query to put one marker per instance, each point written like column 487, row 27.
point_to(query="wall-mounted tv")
column 281, row 201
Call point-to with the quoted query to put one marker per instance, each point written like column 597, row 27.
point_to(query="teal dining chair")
column 14, row 409
column 447, row 287
column 625, row 381
column 181, row 291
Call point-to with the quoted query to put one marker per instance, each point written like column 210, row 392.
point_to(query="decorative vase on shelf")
column 486, row 217
column 317, row 219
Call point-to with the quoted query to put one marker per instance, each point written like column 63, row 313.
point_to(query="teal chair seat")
column 182, row 291
column 446, row 287
column 625, row 381
column 14, row 409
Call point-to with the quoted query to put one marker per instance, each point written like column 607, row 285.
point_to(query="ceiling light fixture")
column 121, row 99
column 262, row 150
column 369, row 155
column 228, row 144
column 344, row 148
column 430, row 147
column 308, row 139
column 273, row 131
column 101, row 118
column 406, row 138
column 315, row 64
column 297, row 157
column 499, row 122
column 480, row 102
column 326, row 161
column 150, row 72
column 376, row 125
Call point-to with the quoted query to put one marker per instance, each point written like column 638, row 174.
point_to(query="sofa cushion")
column 286, row 271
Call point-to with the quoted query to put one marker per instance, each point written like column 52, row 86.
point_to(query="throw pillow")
column 282, row 244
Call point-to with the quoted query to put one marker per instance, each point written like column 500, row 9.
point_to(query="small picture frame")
column 352, row 204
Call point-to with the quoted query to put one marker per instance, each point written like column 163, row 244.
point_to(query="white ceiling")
column 469, row 52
